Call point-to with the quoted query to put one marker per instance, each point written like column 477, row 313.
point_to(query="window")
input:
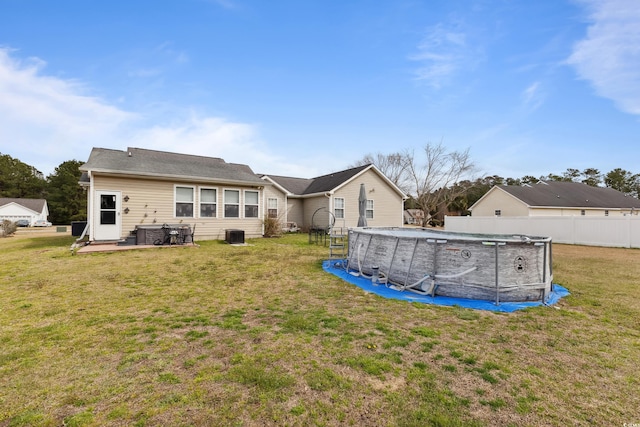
column 231, row 204
column 497, row 212
column 107, row 209
column 582, row 212
column 369, row 210
column 251, row 204
column 338, row 209
column 606, row 213
column 272, row 208
column 184, row 202
column 208, row 202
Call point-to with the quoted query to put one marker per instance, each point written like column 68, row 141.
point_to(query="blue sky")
column 303, row 88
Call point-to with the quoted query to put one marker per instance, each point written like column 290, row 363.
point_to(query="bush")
column 272, row 227
column 8, row 228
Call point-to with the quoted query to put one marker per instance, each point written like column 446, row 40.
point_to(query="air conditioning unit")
column 234, row 236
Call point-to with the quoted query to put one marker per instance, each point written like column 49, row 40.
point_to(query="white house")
column 13, row 209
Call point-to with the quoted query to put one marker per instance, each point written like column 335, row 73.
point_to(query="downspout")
column 264, row 206
column 90, row 197
column 328, row 195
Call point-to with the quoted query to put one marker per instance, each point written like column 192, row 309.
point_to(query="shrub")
column 272, row 227
column 8, row 228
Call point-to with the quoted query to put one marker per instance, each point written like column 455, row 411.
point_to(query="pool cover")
column 336, row 268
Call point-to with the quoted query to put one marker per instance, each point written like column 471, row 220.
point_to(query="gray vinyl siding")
column 295, row 211
column 271, row 192
column 311, row 206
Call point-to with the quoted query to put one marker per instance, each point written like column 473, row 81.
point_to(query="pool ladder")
column 338, row 242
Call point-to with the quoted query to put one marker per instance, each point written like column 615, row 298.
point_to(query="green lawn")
column 260, row 335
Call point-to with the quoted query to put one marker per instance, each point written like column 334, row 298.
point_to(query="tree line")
column 445, row 182
column 66, row 199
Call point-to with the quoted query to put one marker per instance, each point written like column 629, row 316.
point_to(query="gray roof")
column 291, row 184
column 324, row 183
column 570, row 194
column 161, row 164
column 36, row 205
column 332, row 180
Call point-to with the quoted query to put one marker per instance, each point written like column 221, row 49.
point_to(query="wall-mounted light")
column 126, row 210
column 126, row 198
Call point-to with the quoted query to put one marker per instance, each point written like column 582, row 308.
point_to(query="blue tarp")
column 336, row 267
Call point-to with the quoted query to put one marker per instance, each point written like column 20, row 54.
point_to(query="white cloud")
column 609, row 56
column 46, row 120
column 532, row 96
column 442, row 53
column 43, row 118
column 217, row 137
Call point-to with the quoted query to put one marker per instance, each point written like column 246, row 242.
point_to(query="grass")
column 260, row 335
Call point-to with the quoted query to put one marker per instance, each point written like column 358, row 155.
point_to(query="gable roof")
column 555, row 194
column 333, row 180
column 36, row 205
column 162, row 164
column 324, row 183
column 290, row 184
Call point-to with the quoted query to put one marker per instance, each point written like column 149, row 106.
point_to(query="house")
column 332, row 199
column 413, row 216
column 31, row 210
column 554, row 198
column 139, row 189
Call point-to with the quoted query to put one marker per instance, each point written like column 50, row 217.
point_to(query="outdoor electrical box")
column 234, row 236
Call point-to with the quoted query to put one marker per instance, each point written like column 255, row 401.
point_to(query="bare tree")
column 433, row 181
column 394, row 166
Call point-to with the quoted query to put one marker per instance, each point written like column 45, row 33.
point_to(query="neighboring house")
column 147, row 187
column 29, row 209
column 413, row 216
column 554, row 198
column 333, row 198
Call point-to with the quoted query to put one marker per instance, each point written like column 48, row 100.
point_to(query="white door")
column 107, row 219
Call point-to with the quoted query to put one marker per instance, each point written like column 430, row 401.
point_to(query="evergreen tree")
column 623, row 181
column 592, row 177
column 67, row 200
column 19, row 180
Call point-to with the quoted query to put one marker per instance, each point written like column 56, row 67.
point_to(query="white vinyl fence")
column 619, row 231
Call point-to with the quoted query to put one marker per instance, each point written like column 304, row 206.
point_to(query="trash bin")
column 77, row 227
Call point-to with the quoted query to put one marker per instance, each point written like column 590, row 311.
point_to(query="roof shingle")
column 138, row 161
column 571, row 194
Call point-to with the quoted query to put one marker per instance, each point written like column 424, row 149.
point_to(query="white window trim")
column 175, row 200
column 269, row 207
column 335, row 208
column 217, row 202
column 244, row 203
column 224, row 203
column 367, row 209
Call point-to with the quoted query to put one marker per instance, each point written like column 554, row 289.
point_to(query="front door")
column 107, row 220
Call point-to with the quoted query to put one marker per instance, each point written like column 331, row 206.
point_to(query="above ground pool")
column 489, row 267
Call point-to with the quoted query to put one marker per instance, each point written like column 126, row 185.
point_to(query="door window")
column 107, row 209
